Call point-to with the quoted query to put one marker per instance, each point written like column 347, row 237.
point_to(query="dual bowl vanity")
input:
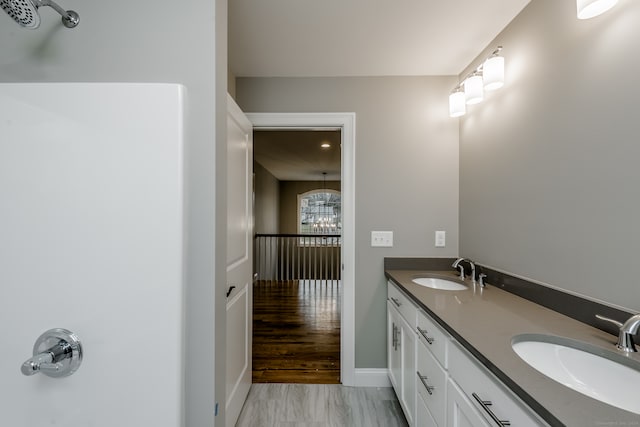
column 460, row 354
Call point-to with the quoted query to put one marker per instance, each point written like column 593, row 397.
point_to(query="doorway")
column 345, row 123
column 297, row 245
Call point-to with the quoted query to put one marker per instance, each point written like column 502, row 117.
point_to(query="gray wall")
column 406, row 173
column 267, row 201
column 549, row 164
column 148, row 41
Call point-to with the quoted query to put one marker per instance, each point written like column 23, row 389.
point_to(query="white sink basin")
column 441, row 284
column 602, row 375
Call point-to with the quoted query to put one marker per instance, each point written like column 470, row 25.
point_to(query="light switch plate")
column 441, row 239
column 382, row 239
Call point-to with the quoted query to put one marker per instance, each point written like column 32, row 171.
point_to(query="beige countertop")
column 485, row 320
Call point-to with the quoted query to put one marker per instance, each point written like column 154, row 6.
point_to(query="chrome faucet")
column 627, row 330
column 457, row 264
column 481, row 278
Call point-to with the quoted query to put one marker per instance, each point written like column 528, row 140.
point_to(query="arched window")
column 320, row 213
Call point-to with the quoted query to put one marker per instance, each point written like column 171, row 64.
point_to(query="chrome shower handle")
column 37, row 363
column 56, row 353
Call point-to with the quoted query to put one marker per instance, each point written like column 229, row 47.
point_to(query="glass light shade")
column 473, row 89
column 457, row 106
column 592, row 8
column 493, row 73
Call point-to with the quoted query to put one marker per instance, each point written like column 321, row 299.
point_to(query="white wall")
column 549, row 164
column 406, row 173
column 92, row 241
column 146, row 41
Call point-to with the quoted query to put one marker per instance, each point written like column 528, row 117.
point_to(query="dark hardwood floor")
column 296, row 332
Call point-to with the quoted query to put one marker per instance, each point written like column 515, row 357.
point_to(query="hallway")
column 296, row 331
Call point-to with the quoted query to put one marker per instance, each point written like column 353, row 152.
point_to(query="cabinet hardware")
column 423, row 379
column 395, row 301
column 485, row 405
column 426, row 337
column 393, row 335
column 231, row 288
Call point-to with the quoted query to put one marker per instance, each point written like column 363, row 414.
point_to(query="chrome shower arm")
column 69, row 18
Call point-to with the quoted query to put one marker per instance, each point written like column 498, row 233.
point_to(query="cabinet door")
column 460, row 412
column 408, row 348
column 401, row 360
column 394, row 360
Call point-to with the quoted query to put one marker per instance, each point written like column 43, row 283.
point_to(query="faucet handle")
column 606, row 319
column 625, row 335
column 481, row 278
column 56, row 353
column 34, row 365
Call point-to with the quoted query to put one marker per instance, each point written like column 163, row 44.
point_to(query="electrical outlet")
column 441, row 239
column 382, row 239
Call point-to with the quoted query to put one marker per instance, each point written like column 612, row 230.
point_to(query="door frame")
column 347, row 124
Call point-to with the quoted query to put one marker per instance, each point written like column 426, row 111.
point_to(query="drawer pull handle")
column 396, row 302
column 423, row 379
column 426, row 337
column 395, row 337
column 485, row 405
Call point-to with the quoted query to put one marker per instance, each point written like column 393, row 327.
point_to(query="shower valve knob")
column 56, row 353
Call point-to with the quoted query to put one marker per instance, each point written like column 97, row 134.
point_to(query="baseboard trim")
column 378, row 377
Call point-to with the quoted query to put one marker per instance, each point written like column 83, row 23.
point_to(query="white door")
column 91, row 241
column 239, row 259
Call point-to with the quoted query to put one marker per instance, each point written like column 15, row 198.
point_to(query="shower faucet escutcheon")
column 56, row 353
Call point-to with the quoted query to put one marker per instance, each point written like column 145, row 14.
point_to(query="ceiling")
column 296, row 155
column 303, row 38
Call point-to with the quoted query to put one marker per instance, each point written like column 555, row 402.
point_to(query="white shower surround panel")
column 91, row 240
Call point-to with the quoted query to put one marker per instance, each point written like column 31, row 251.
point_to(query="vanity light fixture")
column 489, row 75
column 493, row 71
column 474, row 88
column 457, row 104
column 591, row 8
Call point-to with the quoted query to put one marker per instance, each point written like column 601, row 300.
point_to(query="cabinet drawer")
column 478, row 384
column 406, row 308
column 433, row 337
column 460, row 411
column 431, row 381
column 423, row 416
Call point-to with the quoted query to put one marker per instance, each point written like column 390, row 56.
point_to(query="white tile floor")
column 320, row 405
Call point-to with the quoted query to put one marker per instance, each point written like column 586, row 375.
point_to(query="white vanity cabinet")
column 437, row 381
column 401, row 350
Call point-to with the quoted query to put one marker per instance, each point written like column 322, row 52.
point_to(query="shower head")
column 25, row 12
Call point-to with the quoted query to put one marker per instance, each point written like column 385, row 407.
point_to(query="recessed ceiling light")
column 325, row 145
